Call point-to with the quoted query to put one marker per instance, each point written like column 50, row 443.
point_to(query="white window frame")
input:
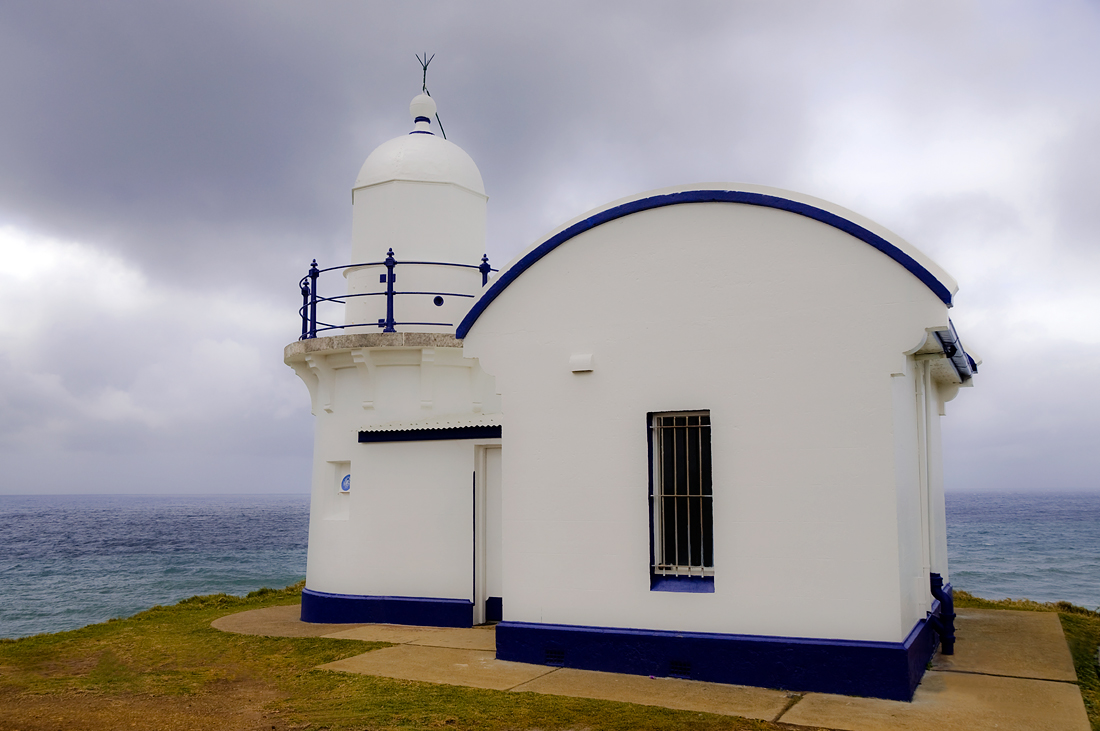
column 686, row 506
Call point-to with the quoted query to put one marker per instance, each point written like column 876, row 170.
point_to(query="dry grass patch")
column 166, row 668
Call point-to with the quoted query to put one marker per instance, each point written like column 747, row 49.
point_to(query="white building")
column 403, row 418
column 721, row 406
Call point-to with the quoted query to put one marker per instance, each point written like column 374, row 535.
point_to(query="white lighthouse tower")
column 404, row 513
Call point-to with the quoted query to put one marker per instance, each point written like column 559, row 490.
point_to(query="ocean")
column 1044, row 547
column 71, row 560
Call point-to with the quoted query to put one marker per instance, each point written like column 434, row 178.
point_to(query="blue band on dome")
column 422, row 132
column 423, row 119
column 701, row 196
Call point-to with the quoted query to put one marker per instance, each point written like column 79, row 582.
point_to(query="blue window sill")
column 686, row 584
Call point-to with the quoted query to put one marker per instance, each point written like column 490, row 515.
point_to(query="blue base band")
column 325, row 608
column 889, row 670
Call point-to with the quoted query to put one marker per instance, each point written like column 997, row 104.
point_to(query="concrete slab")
column 956, row 701
column 398, row 634
column 685, row 695
column 472, row 668
column 281, row 621
column 469, row 638
column 1014, row 644
column 474, row 638
column 1012, row 670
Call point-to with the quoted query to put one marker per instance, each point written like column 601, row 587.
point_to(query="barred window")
column 683, row 539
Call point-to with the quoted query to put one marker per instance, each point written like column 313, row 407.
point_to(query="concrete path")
column 275, row 622
column 1011, row 671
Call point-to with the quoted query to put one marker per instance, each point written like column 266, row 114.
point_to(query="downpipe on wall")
column 943, row 625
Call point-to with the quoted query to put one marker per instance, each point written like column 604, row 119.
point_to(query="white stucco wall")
column 405, row 528
column 421, row 221
column 912, row 582
column 938, row 513
column 788, row 331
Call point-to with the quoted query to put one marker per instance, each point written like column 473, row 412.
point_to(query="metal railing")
column 310, row 298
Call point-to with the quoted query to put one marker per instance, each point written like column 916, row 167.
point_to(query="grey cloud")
column 1074, row 186
column 1037, row 426
column 212, row 146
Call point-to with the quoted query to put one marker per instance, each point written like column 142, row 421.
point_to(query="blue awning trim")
column 953, row 349
column 486, row 431
column 701, row 196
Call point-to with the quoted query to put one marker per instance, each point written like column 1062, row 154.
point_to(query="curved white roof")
column 914, row 260
column 421, row 156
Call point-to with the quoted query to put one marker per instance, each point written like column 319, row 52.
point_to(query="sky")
column 168, row 171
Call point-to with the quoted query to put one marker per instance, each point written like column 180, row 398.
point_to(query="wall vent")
column 679, row 669
column 555, row 656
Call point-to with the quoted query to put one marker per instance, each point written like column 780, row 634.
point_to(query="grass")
column 1082, row 629
column 167, row 668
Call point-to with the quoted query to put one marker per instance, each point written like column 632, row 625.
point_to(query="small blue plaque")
column 345, row 484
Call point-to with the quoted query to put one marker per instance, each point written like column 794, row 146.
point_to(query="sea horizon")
column 69, row 560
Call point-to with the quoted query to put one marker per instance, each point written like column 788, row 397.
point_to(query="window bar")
column 658, row 515
column 661, row 492
column 699, row 464
column 658, row 526
column 706, row 491
column 663, row 504
column 687, row 491
column 675, row 558
column 689, row 431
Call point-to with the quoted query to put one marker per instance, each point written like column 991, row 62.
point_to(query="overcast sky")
column 167, row 171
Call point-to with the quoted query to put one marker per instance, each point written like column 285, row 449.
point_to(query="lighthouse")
column 405, row 497
column 722, row 404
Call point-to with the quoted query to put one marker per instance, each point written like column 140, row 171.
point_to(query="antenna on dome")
column 424, row 85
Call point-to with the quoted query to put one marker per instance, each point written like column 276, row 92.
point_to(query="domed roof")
column 421, row 156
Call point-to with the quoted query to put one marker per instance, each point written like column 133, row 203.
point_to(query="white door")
column 488, row 590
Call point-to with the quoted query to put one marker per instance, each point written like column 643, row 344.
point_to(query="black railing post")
column 390, row 264
column 313, row 274
column 484, row 269
column 305, row 307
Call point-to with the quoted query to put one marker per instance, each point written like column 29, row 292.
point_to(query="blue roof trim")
column 953, row 349
column 701, row 196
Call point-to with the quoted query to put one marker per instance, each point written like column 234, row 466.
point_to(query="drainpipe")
column 945, row 627
column 920, row 376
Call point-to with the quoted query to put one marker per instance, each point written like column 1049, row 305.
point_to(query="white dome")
column 421, row 157
column 422, row 105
